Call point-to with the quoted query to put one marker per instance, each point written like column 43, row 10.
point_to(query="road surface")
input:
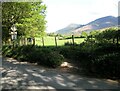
column 23, row 75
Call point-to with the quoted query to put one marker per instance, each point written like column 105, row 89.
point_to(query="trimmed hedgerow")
column 40, row 55
column 100, row 60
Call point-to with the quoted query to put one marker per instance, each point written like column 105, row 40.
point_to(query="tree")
column 94, row 33
column 117, row 35
column 37, row 26
column 84, row 34
column 29, row 17
column 12, row 13
column 109, row 35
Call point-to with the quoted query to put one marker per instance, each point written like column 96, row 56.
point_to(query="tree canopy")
column 107, row 35
column 84, row 34
column 29, row 18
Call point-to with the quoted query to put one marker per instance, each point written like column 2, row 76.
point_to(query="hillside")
column 100, row 23
column 104, row 22
column 69, row 29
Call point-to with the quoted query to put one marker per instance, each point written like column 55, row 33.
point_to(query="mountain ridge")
column 100, row 23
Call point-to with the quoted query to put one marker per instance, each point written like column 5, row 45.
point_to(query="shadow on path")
column 22, row 75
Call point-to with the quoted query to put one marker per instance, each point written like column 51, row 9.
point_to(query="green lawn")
column 50, row 41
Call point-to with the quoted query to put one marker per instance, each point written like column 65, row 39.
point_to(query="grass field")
column 50, row 41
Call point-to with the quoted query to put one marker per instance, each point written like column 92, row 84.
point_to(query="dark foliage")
column 34, row 54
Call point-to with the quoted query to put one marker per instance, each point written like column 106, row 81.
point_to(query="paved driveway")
column 22, row 75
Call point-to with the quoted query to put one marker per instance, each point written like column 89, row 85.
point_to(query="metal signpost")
column 13, row 34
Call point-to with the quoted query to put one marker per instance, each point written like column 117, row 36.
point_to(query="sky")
column 61, row 13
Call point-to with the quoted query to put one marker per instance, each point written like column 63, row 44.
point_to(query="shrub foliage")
column 42, row 56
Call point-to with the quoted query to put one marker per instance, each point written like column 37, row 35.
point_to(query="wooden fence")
column 31, row 41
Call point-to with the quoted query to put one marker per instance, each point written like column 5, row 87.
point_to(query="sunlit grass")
column 50, row 41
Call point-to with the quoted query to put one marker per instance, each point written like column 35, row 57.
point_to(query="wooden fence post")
column 73, row 39
column 33, row 41
column 56, row 41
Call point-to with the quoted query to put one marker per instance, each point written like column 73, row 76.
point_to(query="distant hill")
column 69, row 29
column 104, row 22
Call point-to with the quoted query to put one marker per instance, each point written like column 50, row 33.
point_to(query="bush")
column 40, row 55
column 106, row 48
column 88, row 46
column 107, row 65
column 69, row 43
column 55, row 59
column 69, row 52
column 24, row 53
column 7, row 51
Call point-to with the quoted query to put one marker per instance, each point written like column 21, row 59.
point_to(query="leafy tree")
column 29, row 17
column 13, row 13
column 109, row 35
column 35, row 24
column 117, row 35
column 84, row 34
column 94, row 33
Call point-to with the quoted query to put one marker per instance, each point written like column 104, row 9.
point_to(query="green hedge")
column 107, row 65
column 100, row 59
column 40, row 55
